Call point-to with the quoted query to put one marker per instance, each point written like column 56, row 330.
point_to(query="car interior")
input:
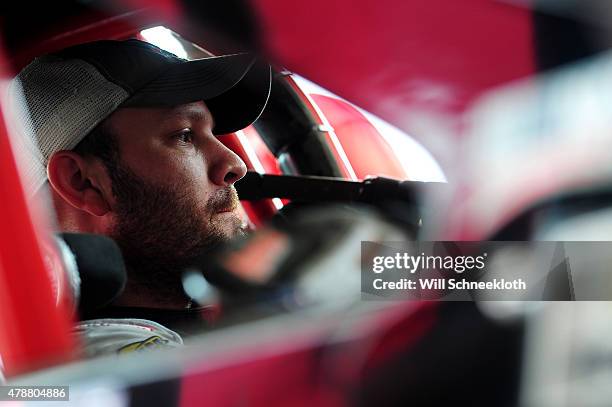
column 486, row 108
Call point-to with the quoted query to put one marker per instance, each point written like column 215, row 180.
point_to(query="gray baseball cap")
column 59, row 98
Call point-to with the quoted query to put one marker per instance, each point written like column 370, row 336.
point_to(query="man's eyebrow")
column 191, row 114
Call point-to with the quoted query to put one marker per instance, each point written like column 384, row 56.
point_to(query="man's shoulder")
column 124, row 335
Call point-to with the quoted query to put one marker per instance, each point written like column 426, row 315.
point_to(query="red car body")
column 343, row 46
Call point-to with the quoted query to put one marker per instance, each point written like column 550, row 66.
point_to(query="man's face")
column 173, row 187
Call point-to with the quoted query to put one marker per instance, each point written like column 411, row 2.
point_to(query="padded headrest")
column 100, row 267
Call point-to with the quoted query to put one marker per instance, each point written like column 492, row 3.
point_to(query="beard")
column 162, row 229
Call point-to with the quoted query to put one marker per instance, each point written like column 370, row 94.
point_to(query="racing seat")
column 90, row 274
column 94, row 268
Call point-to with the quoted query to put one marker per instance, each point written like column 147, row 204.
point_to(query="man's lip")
column 231, row 208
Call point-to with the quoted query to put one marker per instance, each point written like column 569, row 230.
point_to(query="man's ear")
column 82, row 182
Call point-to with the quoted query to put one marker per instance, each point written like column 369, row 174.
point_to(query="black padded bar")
column 255, row 186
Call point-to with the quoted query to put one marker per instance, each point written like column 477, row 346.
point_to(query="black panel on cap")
column 235, row 87
column 130, row 64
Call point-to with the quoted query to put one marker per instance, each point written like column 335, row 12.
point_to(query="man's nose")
column 227, row 167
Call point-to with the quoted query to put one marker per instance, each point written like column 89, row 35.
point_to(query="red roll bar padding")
column 34, row 331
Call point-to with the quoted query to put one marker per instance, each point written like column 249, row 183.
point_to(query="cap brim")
column 235, row 89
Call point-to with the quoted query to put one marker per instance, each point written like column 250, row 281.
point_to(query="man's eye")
column 185, row 136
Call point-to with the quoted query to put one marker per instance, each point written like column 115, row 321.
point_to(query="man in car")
column 124, row 134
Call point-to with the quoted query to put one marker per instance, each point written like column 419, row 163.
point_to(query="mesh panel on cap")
column 57, row 102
